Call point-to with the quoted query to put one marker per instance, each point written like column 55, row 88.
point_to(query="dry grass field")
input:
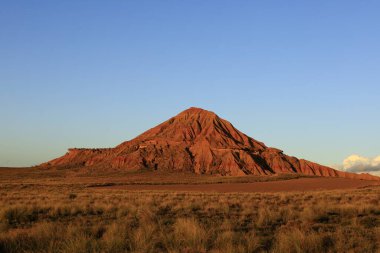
column 56, row 215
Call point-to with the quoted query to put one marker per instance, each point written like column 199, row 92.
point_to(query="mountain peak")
column 191, row 124
column 196, row 111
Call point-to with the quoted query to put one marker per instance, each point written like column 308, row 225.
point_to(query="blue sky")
column 303, row 76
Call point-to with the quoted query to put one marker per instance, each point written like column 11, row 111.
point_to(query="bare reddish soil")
column 301, row 184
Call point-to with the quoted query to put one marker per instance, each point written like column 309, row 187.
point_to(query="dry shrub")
column 116, row 238
column 295, row 240
column 225, row 243
column 266, row 216
column 188, row 235
column 48, row 237
column 356, row 239
column 143, row 238
column 251, row 242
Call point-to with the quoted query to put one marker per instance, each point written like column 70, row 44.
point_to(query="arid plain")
column 191, row 184
column 56, row 211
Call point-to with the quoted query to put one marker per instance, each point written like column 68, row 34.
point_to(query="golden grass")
column 62, row 218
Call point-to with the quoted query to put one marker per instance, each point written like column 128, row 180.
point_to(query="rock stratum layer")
column 197, row 141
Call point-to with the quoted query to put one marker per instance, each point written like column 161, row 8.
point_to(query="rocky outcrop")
column 199, row 141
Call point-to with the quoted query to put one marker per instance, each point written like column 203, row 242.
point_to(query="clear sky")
column 303, row 76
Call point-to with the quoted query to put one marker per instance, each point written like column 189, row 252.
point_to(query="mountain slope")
column 199, row 141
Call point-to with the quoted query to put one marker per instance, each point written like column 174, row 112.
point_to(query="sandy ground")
column 301, row 184
column 179, row 182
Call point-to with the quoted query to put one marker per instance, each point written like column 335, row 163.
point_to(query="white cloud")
column 376, row 161
column 358, row 164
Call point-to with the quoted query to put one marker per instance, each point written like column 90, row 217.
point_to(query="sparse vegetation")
column 62, row 218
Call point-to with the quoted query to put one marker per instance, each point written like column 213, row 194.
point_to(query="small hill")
column 197, row 141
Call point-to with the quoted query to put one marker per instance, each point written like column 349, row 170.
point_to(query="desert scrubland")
column 73, row 217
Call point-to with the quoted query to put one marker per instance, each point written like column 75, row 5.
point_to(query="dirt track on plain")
column 301, row 184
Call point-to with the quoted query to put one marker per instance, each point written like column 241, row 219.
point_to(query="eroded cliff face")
column 198, row 141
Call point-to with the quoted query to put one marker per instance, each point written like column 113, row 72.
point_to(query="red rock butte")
column 197, row 141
